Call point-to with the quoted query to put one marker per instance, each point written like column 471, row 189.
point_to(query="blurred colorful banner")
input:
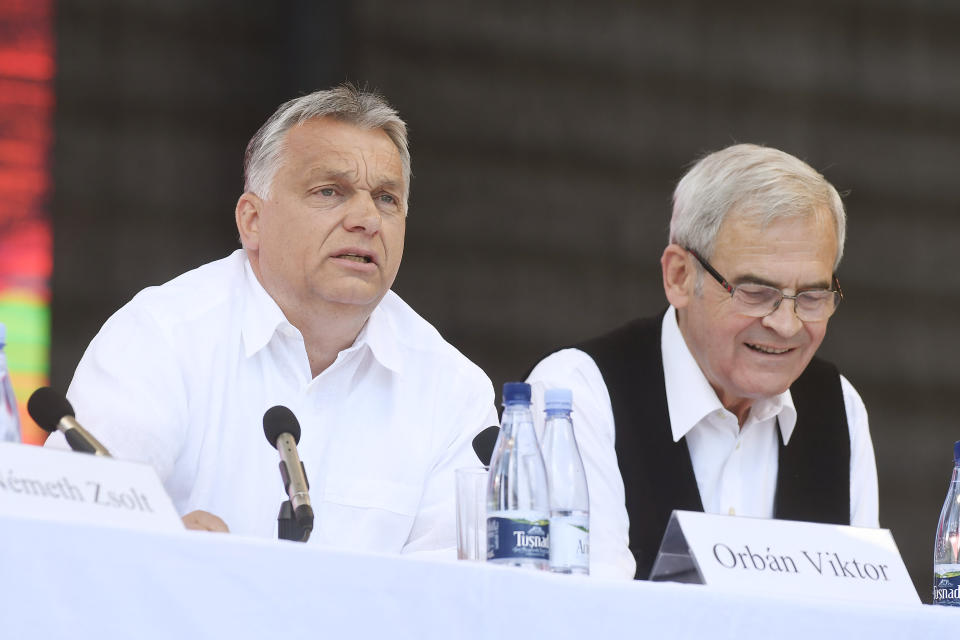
column 26, row 244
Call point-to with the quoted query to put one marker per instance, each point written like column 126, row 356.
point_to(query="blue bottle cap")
column 558, row 399
column 516, row 392
column 956, row 452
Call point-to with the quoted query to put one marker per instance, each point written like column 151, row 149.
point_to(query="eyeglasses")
column 759, row 300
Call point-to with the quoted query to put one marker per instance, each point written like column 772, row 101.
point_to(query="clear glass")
column 569, row 500
column 946, row 567
column 518, row 502
column 9, row 416
column 472, row 513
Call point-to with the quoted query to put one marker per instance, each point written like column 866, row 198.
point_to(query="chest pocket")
column 366, row 514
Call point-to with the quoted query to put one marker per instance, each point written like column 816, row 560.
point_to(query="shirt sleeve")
column 864, row 494
column 128, row 391
column 593, row 427
column 465, row 408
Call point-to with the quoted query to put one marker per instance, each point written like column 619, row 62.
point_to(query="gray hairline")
column 712, row 189
column 346, row 103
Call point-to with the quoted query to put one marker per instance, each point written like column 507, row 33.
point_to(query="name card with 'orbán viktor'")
column 783, row 557
column 67, row 486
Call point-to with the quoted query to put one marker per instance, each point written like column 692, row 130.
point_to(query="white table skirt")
column 80, row 581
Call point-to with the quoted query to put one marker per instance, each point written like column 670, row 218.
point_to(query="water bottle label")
column 946, row 585
column 570, row 542
column 518, row 537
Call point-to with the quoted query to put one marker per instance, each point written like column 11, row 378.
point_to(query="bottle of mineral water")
column 9, row 418
column 946, row 567
column 567, row 482
column 518, row 502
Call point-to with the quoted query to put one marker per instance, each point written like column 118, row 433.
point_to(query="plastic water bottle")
column 518, row 502
column 567, row 481
column 9, row 417
column 946, row 567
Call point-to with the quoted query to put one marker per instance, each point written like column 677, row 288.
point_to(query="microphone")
column 53, row 412
column 484, row 442
column 283, row 433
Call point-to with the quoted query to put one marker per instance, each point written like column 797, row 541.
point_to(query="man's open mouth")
column 770, row 350
column 354, row 257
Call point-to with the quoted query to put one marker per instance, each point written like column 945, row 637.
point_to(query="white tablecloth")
column 80, row 581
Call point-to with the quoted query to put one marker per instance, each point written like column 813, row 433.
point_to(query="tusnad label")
column 518, row 537
column 946, row 584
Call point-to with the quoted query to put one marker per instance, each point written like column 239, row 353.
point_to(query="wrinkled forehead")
column 816, row 223
column 388, row 148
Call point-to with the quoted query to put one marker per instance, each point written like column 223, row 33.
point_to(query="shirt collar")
column 262, row 317
column 381, row 336
column 690, row 398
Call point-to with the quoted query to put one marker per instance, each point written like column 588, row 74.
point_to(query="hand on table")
column 204, row 521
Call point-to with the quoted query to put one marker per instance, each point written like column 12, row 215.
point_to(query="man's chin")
column 772, row 379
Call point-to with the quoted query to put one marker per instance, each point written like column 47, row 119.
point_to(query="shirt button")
column 731, row 511
column 738, row 445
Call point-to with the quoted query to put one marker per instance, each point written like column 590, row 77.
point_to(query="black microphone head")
column 47, row 408
column 484, row 442
column 279, row 420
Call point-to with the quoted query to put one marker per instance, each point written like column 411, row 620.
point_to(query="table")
column 84, row 581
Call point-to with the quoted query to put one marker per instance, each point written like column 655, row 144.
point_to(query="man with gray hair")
column 301, row 316
column 719, row 404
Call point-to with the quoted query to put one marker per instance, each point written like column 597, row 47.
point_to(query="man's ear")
column 248, row 220
column 679, row 275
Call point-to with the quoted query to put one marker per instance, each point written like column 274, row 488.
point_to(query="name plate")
column 783, row 557
column 36, row 482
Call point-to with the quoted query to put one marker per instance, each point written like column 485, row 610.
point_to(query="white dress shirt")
column 735, row 468
column 180, row 377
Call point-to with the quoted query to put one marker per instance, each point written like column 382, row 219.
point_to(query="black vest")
column 813, row 481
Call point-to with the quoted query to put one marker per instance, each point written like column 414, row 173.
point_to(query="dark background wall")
column 547, row 137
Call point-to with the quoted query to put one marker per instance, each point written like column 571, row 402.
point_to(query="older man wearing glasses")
column 719, row 404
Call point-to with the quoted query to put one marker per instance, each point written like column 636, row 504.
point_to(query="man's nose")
column 362, row 214
column 783, row 320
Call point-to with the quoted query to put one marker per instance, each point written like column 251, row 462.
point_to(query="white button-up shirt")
column 181, row 376
column 735, row 468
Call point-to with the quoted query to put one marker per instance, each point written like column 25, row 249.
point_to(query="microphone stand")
column 287, row 526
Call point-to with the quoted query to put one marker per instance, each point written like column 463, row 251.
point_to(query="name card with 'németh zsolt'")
column 783, row 557
column 48, row 484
